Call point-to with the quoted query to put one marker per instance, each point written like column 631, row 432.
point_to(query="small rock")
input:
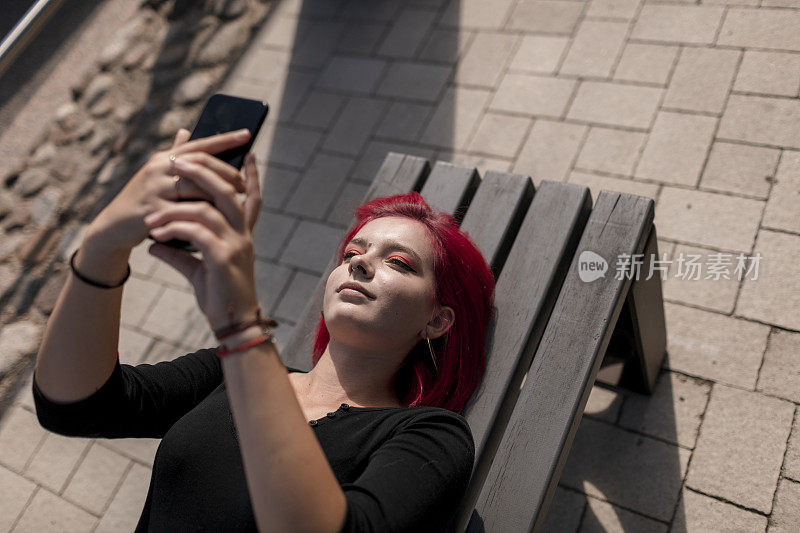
column 98, row 87
column 31, row 181
column 124, row 112
column 6, row 203
column 111, row 171
column 113, row 52
column 221, row 44
column 193, row 88
column 45, row 206
column 99, row 140
column 18, row 340
column 230, row 9
column 83, row 82
column 44, row 154
column 170, row 123
column 136, row 56
column 68, row 116
column 85, row 130
column 9, row 244
column 8, row 276
column 48, row 294
column 102, row 107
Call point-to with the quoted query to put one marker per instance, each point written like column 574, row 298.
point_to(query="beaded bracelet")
column 226, row 332
column 94, row 283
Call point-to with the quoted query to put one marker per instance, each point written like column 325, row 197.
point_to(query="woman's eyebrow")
column 392, row 245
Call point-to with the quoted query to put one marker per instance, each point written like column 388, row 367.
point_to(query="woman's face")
column 392, row 259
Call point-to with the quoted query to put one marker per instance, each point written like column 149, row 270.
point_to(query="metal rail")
column 25, row 30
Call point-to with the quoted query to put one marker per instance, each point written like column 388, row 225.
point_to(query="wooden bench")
column 552, row 335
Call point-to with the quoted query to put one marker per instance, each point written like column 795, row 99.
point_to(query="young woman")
column 371, row 439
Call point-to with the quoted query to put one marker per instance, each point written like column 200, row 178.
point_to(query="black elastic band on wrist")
column 94, row 283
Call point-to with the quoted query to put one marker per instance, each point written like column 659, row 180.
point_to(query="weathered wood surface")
column 531, row 455
column 525, row 294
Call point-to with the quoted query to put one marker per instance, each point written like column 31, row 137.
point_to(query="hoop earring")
column 433, row 357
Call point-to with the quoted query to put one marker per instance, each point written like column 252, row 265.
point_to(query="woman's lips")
column 352, row 286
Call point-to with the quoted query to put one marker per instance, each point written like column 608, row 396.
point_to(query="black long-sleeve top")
column 400, row 468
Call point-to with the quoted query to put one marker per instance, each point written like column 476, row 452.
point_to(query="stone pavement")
column 694, row 105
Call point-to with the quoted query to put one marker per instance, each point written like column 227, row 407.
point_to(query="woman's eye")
column 348, row 255
column 402, row 264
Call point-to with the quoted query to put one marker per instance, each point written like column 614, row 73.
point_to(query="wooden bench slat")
column 525, row 294
column 547, row 413
column 398, row 174
column 450, row 188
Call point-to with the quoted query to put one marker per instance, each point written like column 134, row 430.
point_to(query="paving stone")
column 786, row 513
column 20, row 435
column 314, row 194
column 703, row 285
column 702, row 79
column 138, row 295
column 375, row 11
column 595, row 48
column 125, row 509
column 780, row 372
column 708, row 219
column 762, row 120
column 455, row 117
column 603, row 404
column 279, row 31
column 24, row 397
column 319, row 109
column 791, row 462
column 676, row 148
column 486, row 59
column 415, row 81
column 407, row 33
column 545, row 16
column 297, row 295
column 598, row 183
column 550, row 150
column 476, row 13
column 177, row 317
column 354, row 125
column 649, row 63
column 293, row 146
column 769, row 73
column 166, row 274
column 677, row 24
column 270, row 281
column 761, row 28
column 698, row 512
column 360, row 38
column 483, row 164
column 48, row 512
column 672, row 413
column 446, row 45
column 312, row 246
column 780, row 3
column 167, row 351
column 602, row 516
column 15, row 491
column 615, row 104
column 740, row 449
column 277, row 184
column 533, row 95
column 17, row 341
column 619, row 9
column 774, row 296
column 403, row 121
column 724, row 349
column 141, row 262
column 611, row 150
column 740, row 169
column 539, row 53
column 96, row 478
column 318, row 43
column 55, row 459
column 632, row 471
column 376, row 153
column 142, row 450
column 350, row 197
column 565, row 511
column 781, row 211
column 499, row 135
column 352, row 74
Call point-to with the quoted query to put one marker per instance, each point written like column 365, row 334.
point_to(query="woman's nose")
column 358, row 262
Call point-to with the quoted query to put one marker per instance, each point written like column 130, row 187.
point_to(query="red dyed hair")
column 463, row 282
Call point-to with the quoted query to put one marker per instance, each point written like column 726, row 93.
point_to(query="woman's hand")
column 120, row 225
column 223, row 279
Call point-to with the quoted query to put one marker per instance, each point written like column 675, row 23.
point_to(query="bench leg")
column 637, row 347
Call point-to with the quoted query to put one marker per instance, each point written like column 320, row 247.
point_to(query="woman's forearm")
column 79, row 347
column 292, row 486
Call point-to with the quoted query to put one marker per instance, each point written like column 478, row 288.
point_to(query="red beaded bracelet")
column 266, row 337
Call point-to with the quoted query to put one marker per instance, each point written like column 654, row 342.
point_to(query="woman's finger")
column 200, row 236
column 201, row 212
column 252, row 201
column 181, row 137
column 224, row 193
column 227, row 171
column 215, row 144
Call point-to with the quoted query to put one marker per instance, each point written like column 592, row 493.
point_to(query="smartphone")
column 223, row 113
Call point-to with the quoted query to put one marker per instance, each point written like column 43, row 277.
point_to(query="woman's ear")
column 441, row 321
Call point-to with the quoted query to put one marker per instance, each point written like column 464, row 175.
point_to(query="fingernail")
column 243, row 134
column 150, row 218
